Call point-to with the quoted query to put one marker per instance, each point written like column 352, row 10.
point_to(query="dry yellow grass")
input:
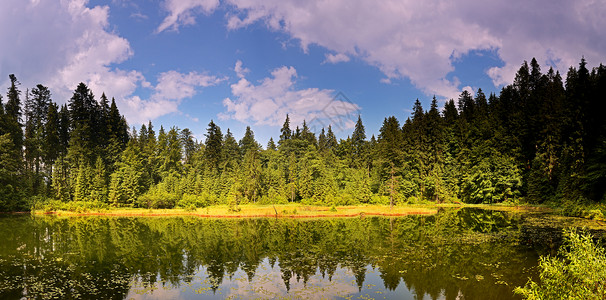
column 255, row 210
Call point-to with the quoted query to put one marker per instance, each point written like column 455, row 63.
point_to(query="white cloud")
column 182, row 12
column 268, row 102
column 171, row 89
column 61, row 43
column 240, row 71
column 336, row 58
column 420, row 40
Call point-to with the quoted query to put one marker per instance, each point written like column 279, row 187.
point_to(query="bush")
column 379, row 199
column 579, row 272
column 157, row 200
column 196, row 201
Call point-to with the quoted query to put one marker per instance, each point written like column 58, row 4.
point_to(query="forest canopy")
column 542, row 139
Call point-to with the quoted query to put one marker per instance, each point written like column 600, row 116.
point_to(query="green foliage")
column 578, row 273
column 189, row 200
column 160, row 199
column 538, row 141
column 11, row 194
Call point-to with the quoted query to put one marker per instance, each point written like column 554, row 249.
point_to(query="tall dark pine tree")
column 389, row 151
column 189, row 145
column 51, row 136
column 214, row 139
column 248, row 142
column 308, row 136
column 36, row 111
column 322, row 140
column 359, row 145
column 331, row 139
column 12, row 113
column 358, row 138
column 285, row 132
column 230, row 151
column 83, row 115
column 466, row 105
column 117, row 133
column 37, row 103
column 271, row 145
column 64, row 130
column 101, row 126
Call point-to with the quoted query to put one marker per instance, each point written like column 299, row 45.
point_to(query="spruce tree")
column 213, row 150
column 285, row 132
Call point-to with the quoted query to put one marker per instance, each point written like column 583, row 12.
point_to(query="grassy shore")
column 293, row 210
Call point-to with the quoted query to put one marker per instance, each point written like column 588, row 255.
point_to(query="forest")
column 541, row 140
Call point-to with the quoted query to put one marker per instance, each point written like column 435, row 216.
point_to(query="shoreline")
column 292, row 211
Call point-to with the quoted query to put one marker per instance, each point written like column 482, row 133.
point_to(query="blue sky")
column 249, row 62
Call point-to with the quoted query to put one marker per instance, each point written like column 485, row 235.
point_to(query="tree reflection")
column 455, row 252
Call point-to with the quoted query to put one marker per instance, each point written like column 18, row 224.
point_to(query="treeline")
column 539, row 140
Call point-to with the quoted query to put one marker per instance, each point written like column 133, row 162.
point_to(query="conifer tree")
column 213, row 146
column 271, row 145
column 285, row 132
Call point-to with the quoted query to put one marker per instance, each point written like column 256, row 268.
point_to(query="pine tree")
column 285, row 132
column 11, row 194
column 64, row 129
column 189, row 145
column 83, row 111
column 331, row 139
column 231, row 153
column 359, row 145
column 322, row 141
column 51, row 144
column 99, row 191
column 213, row 150
column 248, row 142
column 271, row 145
column 12, row 114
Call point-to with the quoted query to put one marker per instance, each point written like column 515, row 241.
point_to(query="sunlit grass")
column 292, row 210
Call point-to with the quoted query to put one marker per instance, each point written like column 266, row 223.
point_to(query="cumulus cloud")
column 171, row 89
column 182, row 12
column 240, row 71
column 336, row 58
column 420, row 40
column 63, row 43
column 268, row 102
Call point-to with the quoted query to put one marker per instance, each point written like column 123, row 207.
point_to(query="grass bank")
column 294, row 210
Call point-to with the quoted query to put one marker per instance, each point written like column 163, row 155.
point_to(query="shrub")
column 579, row 272
column 158, row 199
column 196, row 201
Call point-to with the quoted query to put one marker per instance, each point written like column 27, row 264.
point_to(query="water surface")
column 455, row 254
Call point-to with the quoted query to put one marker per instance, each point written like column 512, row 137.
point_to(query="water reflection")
column 468, row 253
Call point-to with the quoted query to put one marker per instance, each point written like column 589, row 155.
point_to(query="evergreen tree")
column 285, row 132
column 64, row 130
column 271, row 145
column 83, row 113
column 213, row 146
column 12, row 115
column 51, row 144
column 231, row 153
column 189, row 145
column 359, row 145
column 11, row 193
column 331, row 139
column 248, row 142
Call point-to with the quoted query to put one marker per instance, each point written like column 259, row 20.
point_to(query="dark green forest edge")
column 539, row 141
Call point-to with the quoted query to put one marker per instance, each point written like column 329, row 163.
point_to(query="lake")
column 466, row 253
